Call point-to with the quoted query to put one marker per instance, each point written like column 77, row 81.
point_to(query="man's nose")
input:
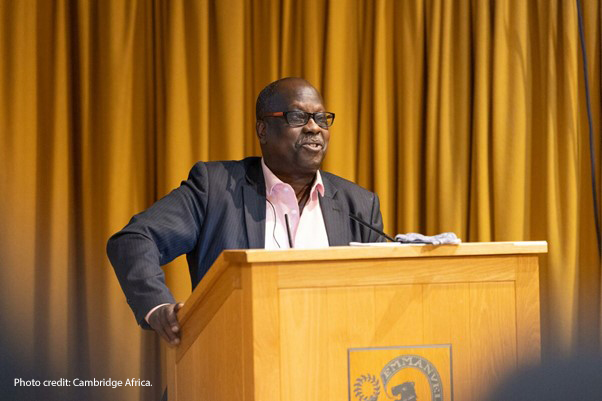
column 311, row 125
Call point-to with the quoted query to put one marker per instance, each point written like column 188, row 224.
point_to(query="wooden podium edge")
column 386, row 250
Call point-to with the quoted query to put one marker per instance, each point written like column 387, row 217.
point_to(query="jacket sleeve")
column 376, row 219
column 166, row 230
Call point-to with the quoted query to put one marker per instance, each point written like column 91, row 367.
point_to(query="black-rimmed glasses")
column 296, row 118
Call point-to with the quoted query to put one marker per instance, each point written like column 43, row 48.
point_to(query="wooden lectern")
column 278, row 325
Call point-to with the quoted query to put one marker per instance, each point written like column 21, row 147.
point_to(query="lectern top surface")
column 387, row 250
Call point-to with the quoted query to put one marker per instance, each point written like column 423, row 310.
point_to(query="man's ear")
column 261, row 130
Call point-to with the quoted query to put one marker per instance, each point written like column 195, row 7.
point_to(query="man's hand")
column 165, row 322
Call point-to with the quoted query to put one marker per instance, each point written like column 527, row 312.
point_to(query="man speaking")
column 279, row 201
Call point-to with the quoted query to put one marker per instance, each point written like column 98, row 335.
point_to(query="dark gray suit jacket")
column 220, row 206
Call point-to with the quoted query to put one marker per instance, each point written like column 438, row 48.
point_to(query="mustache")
column 311, row 139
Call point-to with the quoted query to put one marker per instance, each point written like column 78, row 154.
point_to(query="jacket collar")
column 334, row 212
column 254, row 202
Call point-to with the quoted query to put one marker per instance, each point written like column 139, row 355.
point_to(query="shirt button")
column 293, row 211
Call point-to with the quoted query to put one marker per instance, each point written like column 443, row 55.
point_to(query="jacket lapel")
column 336, row 218
column 254, row 204
column 334, row 212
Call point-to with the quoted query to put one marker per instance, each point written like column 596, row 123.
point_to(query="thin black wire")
column 274, row 230
column 363, row 223
column 592, row 154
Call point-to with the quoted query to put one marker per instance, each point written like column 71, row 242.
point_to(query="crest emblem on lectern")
column 366, row 388
column 400, row 373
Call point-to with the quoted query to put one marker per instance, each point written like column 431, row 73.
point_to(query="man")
column 279, row 201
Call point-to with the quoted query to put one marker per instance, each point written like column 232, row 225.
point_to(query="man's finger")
column 172, row 319
column 155, row 322
column 166, row 315
column 170, row 322
column 158, row 322
column 164, row 320
column 163, row 334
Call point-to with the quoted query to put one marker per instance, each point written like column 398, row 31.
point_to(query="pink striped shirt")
column 307, row 228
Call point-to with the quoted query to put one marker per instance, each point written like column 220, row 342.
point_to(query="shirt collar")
column 271, row 181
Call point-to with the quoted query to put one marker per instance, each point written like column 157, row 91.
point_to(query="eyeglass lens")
column 298, row 118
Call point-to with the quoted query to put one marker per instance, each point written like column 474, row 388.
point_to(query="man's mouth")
column 312, row 146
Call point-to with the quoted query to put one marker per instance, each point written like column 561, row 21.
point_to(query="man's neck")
column 301, row 184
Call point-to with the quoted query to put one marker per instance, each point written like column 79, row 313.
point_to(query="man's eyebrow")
column 297, row 106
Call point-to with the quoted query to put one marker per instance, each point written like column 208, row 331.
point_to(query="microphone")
column 288, row 231
column 371, row 227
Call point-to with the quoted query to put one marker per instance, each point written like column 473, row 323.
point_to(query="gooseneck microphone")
column 371, row 227
column 288, row 231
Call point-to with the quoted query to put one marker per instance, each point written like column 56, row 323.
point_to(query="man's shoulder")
column 233, row 164
column 231, row 168
column 342, row 184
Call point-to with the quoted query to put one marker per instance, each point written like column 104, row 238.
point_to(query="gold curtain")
column 464, row 115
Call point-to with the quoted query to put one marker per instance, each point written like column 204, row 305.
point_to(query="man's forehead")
column 297, row 95
column 305, row 105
